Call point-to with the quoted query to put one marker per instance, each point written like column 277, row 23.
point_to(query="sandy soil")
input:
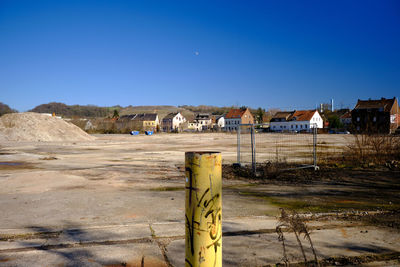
column 30, row 126
column 78, row 200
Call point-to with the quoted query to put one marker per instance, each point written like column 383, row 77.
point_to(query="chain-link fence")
column 256, row 146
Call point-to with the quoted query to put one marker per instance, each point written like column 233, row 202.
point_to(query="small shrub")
column 294, row 223
column 373, row 149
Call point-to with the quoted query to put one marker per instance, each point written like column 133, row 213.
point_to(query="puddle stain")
column 11, row 163
column 15, row 165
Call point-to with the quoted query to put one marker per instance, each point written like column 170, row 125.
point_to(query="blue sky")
column 285, row 54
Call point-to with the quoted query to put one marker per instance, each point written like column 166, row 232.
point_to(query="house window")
column 301, row 126
column 296, row 126
column 281, row 126
column 291, row 126
column 374, row 119
column 305, row 126
column 358, row 118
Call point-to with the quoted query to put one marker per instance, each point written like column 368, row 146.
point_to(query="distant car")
column 134, row 132
column 344, row 132
column 148, row 132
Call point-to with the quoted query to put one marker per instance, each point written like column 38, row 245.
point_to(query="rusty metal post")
column 203, row 213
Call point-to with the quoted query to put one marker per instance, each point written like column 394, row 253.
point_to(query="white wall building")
column 173, row 122
column 300, row 120
column 220, row 122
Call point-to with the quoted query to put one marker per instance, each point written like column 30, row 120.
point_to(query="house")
column 220, row 122
column 296, row 120
column 204, row 119
column 345, row 119
column 217, row 122
column 150, row 121
column 236, row 117
column 142, row 121
column 173, row 122
column 202, row 122
column 375, row 116
column 195, row 126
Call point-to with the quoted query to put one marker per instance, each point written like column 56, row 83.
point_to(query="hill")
column 91, row 111
column 207, row 109
column 162, row 110
column 4, row 109
column 61, row 109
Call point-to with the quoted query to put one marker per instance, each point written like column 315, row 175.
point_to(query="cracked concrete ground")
column 119, row 201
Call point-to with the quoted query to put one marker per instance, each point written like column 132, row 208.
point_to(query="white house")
column 298, row 120
column 173, row 122
column 220, row 122
column 201, row 122
column 195, row 126
column 204, row 120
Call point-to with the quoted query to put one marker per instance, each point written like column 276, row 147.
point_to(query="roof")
column 203, row 116
column 235, row 113
column 346, row 115
column 282, row 115
column 296, row 115
column 302, row 115
column 140, row 117
column 384, row 103
column 171, row 115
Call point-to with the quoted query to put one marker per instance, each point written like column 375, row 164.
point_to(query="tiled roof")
column 171, row 115
column 384, row 103
column 297, row 115
column 282, row 115
column 346, row 115
column 203, row 116
column 235, row 113
column 302, row 115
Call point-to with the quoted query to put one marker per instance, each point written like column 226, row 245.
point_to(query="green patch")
column 321, row 205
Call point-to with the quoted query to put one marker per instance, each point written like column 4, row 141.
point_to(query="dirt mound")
column 31, row 126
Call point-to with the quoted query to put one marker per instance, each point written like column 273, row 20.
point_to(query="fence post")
column 238, row 144
column 203, row 209
column 315, row 131
column 253, row 149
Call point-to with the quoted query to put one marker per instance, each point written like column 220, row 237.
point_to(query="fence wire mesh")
column 254, row 146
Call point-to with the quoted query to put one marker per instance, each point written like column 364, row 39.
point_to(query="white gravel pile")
column 31, row 126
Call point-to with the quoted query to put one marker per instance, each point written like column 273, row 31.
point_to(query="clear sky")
column 287, row 54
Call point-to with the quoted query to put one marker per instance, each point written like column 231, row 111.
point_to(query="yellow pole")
column 203, row 244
